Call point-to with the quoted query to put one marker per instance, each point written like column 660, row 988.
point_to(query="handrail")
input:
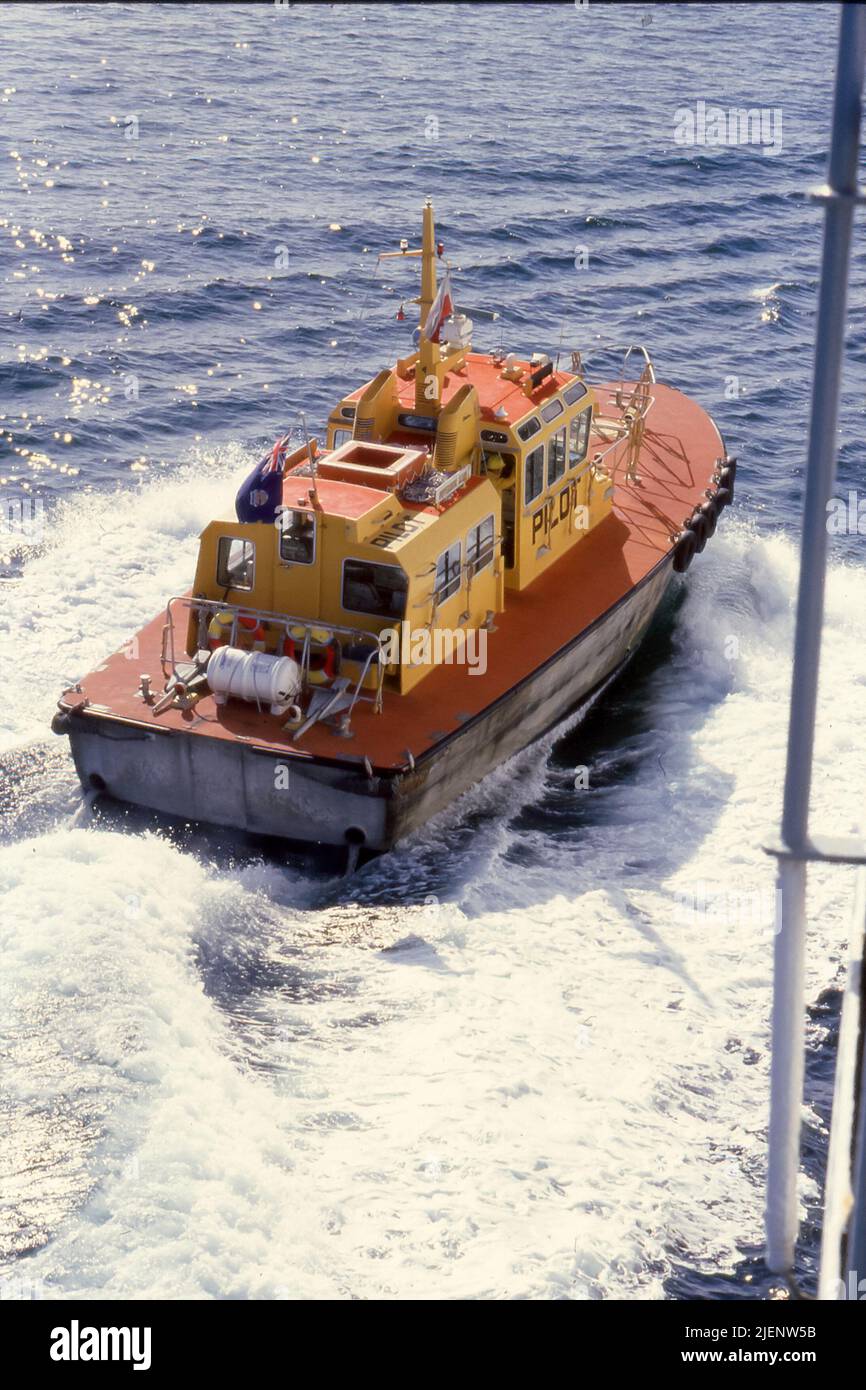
column 631, row 425
column 631, row 435
column 647, row 369
column 200, row 606
column 282, row 619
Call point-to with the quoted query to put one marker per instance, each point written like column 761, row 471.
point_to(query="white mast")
column 797, row 846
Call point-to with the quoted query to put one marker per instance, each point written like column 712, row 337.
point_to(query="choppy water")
column 501, row 1061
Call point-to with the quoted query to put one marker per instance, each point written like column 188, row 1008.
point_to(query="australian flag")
column 262, row 492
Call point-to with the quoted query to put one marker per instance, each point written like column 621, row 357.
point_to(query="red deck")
column 681, row 446
column 339, row 498
column 493, row 391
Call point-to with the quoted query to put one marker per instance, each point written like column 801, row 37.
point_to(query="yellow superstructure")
column 446, row 480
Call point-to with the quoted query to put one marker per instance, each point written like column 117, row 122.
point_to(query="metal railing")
column 628, row 430
column 204, row 610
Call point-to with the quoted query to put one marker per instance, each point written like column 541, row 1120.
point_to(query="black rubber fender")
column 723, row 498
column 698, row 525
column 684, row 550
column 60, row 723
column 728, row 476
column 710, row 512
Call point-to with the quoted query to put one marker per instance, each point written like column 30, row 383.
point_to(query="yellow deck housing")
column 504, row 444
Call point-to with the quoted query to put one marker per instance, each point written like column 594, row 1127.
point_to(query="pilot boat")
column 476, row 548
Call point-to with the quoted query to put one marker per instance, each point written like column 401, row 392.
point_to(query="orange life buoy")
column 253, row 628
column 219, row 629
column 325, row 667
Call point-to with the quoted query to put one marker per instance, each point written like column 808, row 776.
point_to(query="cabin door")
column 507, row 495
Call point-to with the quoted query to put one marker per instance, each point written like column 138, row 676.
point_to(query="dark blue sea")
column 503, row 1061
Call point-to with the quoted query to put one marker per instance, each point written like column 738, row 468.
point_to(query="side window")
column 379, row 590
column 297, row 536
column 448, row 572
column 555, row 456
column 578, row 437
column 236, row 563
column 479, row 546
column 573, row 392
column 528, row 428
column 340, row 437
column 534, row 474
column 552, row 409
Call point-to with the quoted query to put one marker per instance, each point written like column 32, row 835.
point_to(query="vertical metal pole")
column 788, row 1039
column 786, row 1078
column 841, row 1222
column 855, row 1257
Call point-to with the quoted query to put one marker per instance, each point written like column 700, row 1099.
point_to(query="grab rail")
column 201, row 607
column 631, row 425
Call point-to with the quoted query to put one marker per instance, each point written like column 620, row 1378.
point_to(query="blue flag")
column 261, row 493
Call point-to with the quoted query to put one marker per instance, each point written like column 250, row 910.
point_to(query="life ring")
column 684, row 550
column 698, row 525
column 293, row 641
column 325, row 668
column 219, row 629
column 254, row 630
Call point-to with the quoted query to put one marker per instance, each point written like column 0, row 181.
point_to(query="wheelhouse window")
column 479, row 546
column 578, row 437
column 340, row 437
column 419, row 422
column 534, row 474
column 528, row 428
column 236, row 563
column 378, row 590
column 552, row 409
column 573, row 392
column 297, row 537
column 555, row 457
column 448, row 574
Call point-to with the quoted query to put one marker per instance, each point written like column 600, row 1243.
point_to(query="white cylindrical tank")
column 256, row 676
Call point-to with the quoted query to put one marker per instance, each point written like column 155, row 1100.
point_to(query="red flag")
column 441, row 309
